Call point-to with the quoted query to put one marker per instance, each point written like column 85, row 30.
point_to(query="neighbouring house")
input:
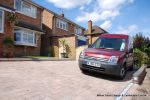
column 20, row 20
column 93, row 32
column 57, row 27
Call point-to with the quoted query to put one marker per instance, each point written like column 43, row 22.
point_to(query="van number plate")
column 93, row 64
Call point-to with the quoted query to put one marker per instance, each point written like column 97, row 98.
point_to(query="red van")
column 110, row 54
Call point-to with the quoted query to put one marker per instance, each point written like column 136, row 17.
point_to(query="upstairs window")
column 18, row 4
column 78, row 30
column 61, row 24
column 1, row 21
column 25, row 8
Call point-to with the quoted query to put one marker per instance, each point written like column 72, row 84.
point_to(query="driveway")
column 55, row 80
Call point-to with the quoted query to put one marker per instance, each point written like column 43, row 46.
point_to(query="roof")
column 29, row 26
column 115, row 35
column 96, row 30
column 63, row 18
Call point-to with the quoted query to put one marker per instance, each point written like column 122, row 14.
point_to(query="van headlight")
column 113, row 59
column 82, row 54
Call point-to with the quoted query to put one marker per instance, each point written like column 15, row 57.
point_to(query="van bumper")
column 105, row 68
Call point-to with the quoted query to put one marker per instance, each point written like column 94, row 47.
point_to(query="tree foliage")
column 141, row 46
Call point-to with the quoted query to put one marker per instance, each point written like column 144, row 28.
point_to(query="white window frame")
column 2, row 31
column 31, row 14
column 27, row 43
column 77, row 30
column 61, row 24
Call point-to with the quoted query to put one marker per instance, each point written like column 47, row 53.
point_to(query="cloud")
column 103, row 10
column 82, row 8
column 131, row 30
column 69, row 4
column 106, row 25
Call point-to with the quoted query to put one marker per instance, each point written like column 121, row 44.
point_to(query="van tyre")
column 132, row 67
column 84, row 71
column 122, row 73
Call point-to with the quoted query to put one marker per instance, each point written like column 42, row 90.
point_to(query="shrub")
column 141, row 46
column 8, row 41
column 140, row 57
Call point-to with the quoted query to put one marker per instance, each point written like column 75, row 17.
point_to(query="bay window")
column 25, row 38
column 1, row 21
column 25, row 8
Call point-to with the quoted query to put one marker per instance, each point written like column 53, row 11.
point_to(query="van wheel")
column 132, row 67
column 84, row 71
column 122, row 73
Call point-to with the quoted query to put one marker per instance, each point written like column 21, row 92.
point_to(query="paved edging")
column 139, row 75
column 35, row 59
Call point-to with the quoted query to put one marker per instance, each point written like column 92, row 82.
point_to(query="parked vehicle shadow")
column 110, row 77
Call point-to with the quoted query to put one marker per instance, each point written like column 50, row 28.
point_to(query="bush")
column 141, row 46
column 8, row 41
column 140, row 57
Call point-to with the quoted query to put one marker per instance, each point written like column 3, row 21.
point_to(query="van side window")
column 130, row 43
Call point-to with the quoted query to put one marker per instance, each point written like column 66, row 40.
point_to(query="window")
column 110, row 43
column 18, row 4
column 1, row 21
column 25, row 8
column 77, row 30
column 61, row 24
column 25, row 38
column 17, row 37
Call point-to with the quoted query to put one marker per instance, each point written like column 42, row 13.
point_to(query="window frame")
column 31, row 14
column 3, row 14
column 77, row 30
column 61, row 24
column 27, row 33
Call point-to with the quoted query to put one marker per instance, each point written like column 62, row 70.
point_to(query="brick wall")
column 71, row 48
column 8, row 3
column 55, row 46
column 8, row 30
column 47, row 27
column 58, row 31
column 33, row 21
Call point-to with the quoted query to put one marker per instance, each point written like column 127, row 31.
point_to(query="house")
column 93, row 32
column 58, row 27
column 20, row 20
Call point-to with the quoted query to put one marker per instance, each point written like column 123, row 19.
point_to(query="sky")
column 115, row 16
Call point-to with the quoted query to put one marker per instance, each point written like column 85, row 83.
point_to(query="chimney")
column 89, row 27
column 63, row 15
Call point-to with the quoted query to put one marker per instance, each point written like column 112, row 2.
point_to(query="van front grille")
column 96, row 59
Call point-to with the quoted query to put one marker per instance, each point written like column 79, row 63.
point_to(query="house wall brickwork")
column 58, row 31
column 7, row 3
column 55, row 46
column 54, row 34
column 47, row 27
column 9, row 30
column 71, row 46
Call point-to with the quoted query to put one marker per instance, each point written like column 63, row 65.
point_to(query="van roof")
column 115, row 36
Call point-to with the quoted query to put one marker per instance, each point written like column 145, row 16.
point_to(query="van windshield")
column 110, row 43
